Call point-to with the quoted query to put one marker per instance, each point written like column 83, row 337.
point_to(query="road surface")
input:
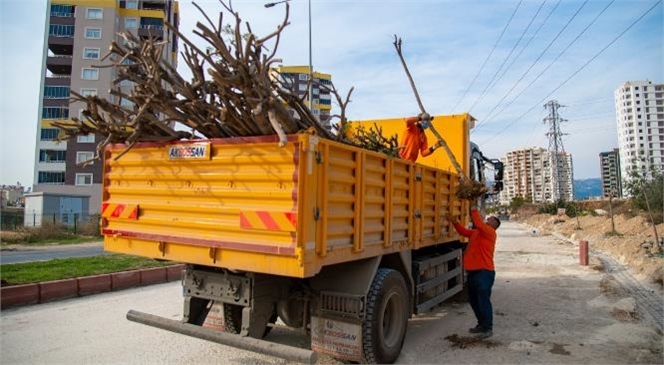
column 548, row 310
column 44, row 253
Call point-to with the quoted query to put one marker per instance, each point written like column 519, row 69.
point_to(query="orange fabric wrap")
column 481, row 246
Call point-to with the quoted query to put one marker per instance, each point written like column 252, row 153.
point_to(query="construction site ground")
column 548, row 309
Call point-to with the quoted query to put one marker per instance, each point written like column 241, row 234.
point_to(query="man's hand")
column 439, row 144
column 450, row 218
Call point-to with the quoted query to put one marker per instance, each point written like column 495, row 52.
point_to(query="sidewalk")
column 48, row 291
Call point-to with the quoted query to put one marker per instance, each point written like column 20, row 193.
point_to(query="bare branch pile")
column 234, row 90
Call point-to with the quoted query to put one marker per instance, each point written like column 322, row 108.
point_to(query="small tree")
column 517, row 202
column 647, row 191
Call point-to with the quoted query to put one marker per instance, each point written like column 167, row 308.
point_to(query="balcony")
column 61, row 45
column 57, row 80
column 151, row 31
column 60, row 65
column 61, row 12
column 153, row 5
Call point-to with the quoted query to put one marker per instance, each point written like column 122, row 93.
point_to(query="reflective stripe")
column 271, row 221
column 115, row 210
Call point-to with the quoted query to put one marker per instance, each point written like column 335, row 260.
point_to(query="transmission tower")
column 556, row 149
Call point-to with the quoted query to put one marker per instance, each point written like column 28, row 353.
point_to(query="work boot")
column 476, row 329
column 484, row 334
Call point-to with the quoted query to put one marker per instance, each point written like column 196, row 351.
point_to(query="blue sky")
column 445, row 45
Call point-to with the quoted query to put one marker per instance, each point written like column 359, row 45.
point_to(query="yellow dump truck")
column 339, row 241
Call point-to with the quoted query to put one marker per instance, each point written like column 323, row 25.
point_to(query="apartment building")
column 640, row 120
column 78, row 33
column 529, row 174
column 296, row 78
column 609, row 163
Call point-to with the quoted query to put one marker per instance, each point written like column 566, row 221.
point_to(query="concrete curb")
column 48, row 291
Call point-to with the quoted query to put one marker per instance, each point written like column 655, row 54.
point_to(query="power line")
column 527, row 43
column 487, row 57
column 589, row 101
column 535, row 62
column 575, row 72
column 508, row 56
column 557, row 57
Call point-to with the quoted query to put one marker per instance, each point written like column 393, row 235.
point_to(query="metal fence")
column 74, row 222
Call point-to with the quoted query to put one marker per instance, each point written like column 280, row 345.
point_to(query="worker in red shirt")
column 414, row 141
column 478, row 263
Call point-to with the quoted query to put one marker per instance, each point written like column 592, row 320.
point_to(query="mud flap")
column 337, row 338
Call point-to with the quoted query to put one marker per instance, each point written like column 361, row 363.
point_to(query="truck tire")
column 232, row 318
column 387, row 312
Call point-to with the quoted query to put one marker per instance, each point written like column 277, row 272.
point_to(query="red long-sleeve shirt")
column 481, row 246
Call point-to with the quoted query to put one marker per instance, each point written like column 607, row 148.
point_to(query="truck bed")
column 248, row 204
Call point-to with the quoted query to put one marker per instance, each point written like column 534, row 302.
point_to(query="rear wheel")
column 232, row 318
column 384, row 327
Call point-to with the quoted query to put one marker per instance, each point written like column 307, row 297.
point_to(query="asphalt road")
column 44, row 253
column 548, row 310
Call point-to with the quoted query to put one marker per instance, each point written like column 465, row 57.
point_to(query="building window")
column 152, row 23
column 94, row 13
column 92, row 33
column 90, row 74
column 83, row 179
column 303, row 77
column 62, row 11
column 52, row 156
column 55, row 112
column 91, row 53
column 131, row 4
column 61, row 31
column 85, row 156
column 49, row 134
column 56, row 92
column 89, row 92
column 131, row 23
column 86, row 138
column 126, row 103
column 48, row 177
column 126, row 83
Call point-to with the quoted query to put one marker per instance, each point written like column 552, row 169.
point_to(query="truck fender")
column 354, row 277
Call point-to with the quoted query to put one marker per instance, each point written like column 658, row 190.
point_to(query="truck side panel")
column 257, row 207
column 237, row 209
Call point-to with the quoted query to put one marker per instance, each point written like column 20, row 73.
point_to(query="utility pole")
column 556, row 149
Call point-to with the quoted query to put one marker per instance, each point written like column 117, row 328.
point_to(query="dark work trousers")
column 480, row 283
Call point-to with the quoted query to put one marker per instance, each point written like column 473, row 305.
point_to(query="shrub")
column 571, row 209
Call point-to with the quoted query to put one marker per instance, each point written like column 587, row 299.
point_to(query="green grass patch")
column 56, row 269
column 64, row 240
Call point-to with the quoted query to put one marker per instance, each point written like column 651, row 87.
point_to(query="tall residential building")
column 529, row 174
column 78, row 34
column 640, row 120
column 610, row 168
column 297, row 78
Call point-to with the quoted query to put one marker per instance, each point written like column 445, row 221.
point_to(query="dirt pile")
column 630, row 243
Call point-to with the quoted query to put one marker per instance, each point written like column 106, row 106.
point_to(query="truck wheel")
column 384, row 327
column 232, row 318
column 273, row 320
